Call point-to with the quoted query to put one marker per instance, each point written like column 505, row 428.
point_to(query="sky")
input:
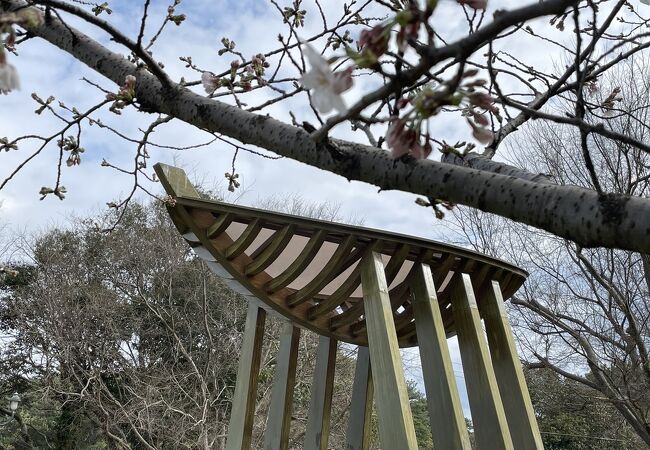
column 254, row 26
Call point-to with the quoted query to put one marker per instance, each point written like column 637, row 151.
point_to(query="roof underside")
column 308, row 270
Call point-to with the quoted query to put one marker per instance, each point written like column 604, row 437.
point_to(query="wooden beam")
column 360, row 421
column 244, row 240
column 349, row 285
column 448, row 427
column 507, row 367
column 299, row 264
column 279, row 242
column 219, row 226
column 243, row 402
column 393, row 409
column 329, row 271
column 175, row 181
column 278, row 423
column 320, row 405
column 488, row 415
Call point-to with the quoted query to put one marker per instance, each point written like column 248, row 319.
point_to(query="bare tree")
column 584, row 313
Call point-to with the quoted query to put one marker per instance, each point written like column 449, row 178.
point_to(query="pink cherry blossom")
column 403, row 140
column 210, row 82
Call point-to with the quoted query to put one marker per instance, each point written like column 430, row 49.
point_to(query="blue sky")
column 254, row 25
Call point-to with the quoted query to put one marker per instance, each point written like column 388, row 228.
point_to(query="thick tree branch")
column 571, row 212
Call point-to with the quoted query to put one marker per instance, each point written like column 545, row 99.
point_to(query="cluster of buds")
column 258, row 65
column 405, row 138
column 71, row 145
column 59, row 192
column 336, row 41
column 228, row 46
column 293, row 15
column 98, row 9
column 211, row 82
column 177, row 18
column 44, row 103
column 477, row 105
column 435, row 204
column 6, row 145
column 409, row 20
column 125, row 96
column 232, row 181
column 253, row 71
column 372, row 45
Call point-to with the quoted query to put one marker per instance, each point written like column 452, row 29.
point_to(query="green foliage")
column 573, row 417
column 420, row 417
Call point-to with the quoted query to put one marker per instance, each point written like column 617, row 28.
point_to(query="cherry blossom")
column 9, row 80
column 210, row 82
column 403, row 140
column 325, row 85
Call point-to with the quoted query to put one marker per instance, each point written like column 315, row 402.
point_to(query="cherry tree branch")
column 581, row 215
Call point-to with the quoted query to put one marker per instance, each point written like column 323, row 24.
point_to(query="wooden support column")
column 318, row 421
column 393, row 409
column 490, row 426
column 448, row 427
column 243, row 402
column 279, row 419
column 507, row 367
column 358, row 434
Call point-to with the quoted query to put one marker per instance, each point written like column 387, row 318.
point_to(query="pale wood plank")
column 340, row 295
column 488, row 415
column 326, row 274
column 393, row 409
column 271, row 252
column 243, row 402
column 320, row 405
column 359, row 423
column 276, row 436
column 175, row 181
column 219, row 225
column 247, row 237
column 445, row 411
column 509, row 374
column 299, row 264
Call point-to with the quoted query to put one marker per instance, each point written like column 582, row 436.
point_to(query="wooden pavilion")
column 380, row 291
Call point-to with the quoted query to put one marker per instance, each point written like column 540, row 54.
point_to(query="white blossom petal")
column 9, row 80
column 311, row 80
column 322, row 100
column 210, row 82
column 316, row 61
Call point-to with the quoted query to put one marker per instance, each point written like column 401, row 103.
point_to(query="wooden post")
column 393, row 409
column 278, row 423
column 318, row 421
column 243, row 402
column 448, row 427
column 507, row 367
column 358, row 434
column 490, row 426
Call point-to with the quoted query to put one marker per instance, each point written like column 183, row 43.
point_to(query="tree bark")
column 581, row 215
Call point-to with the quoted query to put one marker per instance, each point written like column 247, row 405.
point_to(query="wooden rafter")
column 308, row 270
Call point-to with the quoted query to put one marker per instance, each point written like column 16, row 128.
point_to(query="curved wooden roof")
column 308, row 270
